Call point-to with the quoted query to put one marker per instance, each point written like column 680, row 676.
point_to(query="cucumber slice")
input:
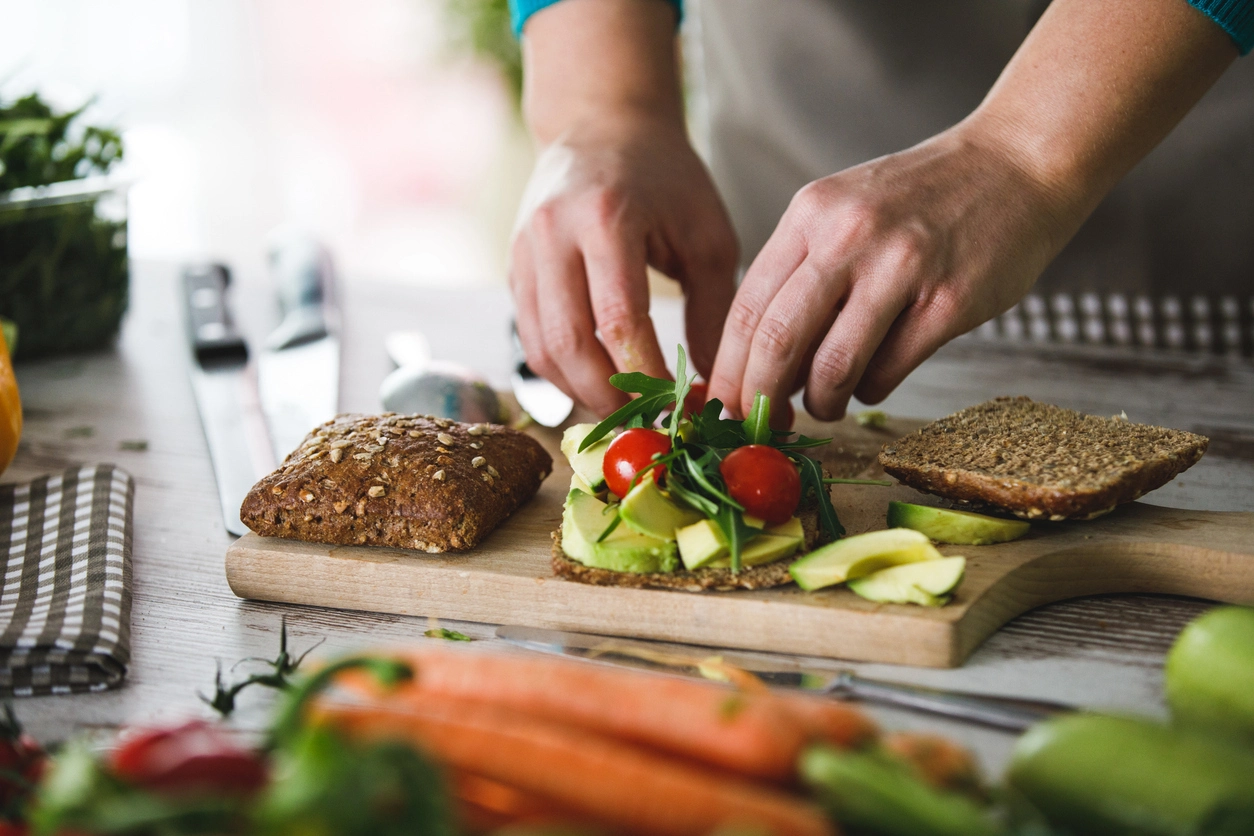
column 862, row 554
column 946, row 525
column 928, row 583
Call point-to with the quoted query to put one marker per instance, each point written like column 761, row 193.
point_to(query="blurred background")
column 388, row 127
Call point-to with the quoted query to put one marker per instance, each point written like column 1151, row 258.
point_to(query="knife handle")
column 212, row 333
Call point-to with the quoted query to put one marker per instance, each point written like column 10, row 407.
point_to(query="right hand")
column 606, row 200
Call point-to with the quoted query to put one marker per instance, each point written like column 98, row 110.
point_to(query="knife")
column 298, row 373
column 225, row 386
column 544, row 402
column 1005, row 713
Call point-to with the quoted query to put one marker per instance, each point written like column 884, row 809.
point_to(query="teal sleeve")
column 520, row 10
column 1236, row 17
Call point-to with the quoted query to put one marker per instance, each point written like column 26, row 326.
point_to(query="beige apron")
column 798, row 89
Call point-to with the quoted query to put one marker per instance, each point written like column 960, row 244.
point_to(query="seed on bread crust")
column 1040, row 461
column 427, row 500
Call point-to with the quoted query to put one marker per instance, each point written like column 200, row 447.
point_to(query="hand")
column 874, row 268
column 603, row 203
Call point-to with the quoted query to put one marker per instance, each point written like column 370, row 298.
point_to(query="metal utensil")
column 544, row 402
column 1006, row 713
column 225, row 386
column 435, row 387
column 299, row 370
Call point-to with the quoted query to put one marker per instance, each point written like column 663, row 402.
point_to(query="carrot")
column 754, row 734
column 938, row 761
column 485, row 806
column 830, row 720
column 627, row 787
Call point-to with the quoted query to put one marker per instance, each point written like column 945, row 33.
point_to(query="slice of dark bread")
column 1040, row 461
column 410, row 481
column 702, row 580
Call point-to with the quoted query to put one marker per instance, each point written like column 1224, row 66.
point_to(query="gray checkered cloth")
column 65, row 599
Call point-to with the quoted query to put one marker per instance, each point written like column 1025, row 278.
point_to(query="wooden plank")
column 1139, row 548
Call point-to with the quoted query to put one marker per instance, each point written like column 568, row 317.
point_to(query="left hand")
column 873, row 268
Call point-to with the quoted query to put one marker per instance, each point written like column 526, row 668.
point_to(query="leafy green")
column 731, row 521
column 812, row 484
column 656, row 396
column 63, row 268
column 757, row 424
column 447, row 634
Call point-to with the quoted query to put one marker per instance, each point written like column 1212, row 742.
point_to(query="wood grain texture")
column 1138, row 548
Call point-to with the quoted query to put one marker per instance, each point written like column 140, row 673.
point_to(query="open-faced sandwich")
column 702, row 503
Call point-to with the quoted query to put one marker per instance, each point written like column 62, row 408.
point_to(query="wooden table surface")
column 1101, row 653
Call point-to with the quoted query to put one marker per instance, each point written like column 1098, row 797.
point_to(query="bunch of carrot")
column 539, row 739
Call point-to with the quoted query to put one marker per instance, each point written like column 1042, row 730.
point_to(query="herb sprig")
column 693, row 478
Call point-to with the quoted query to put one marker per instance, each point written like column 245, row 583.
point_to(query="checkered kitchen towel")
column 65, row 598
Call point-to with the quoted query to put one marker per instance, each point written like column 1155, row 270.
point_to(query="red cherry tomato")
column 194, row 758
column 764, row 481
column 698, row 394
column 630, row 453
column 22, row 764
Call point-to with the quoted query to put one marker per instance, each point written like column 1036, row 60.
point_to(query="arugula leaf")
column 609, row 529
column 680, row 388
column 692, row 498
column 714, row 431
column 698, row 470
column 812, row 479
column 802, row 442
column 447, row 634
column 638, row 412
column 758, row 423
column 643, row 383
column 731, row 522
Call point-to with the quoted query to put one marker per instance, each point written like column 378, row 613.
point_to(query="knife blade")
column 298, row 372
column 544, row 402
column 224, row 383
column 1006, row 713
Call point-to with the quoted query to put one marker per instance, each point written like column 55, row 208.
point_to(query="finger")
column 914, row 337
column 797, row 318
column 781, row 256
column 870, row 311
column 567, row 326
column 522, row 279
column 709, row 283
column 618, row 289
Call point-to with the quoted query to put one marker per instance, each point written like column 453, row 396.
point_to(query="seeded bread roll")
column 409, row 481
column 1040, row 461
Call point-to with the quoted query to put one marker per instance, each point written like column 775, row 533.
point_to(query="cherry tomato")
column 22, row 765
column 194, row 758
column 698, row 394
column 764, row 481
column 630, row 453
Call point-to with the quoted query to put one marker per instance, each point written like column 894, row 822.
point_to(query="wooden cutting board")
column 507, row 580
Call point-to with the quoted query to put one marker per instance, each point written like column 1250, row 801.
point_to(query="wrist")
column 600, row 62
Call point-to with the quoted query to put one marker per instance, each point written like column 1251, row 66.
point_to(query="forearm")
column 1096, row 85
column 591, row 61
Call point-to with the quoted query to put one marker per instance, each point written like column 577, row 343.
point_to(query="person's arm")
column 616, row 187
column 874, row 268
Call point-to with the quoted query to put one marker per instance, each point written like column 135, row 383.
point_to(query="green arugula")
column 656, row 396
column 757, row 425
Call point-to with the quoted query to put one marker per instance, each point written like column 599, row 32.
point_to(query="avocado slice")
column 584, row 519
column 928, row 582
column 577, row 483
column 861, row 554
column 587, row 465
column 702, row 544
column 761, row 550
column 946, row 525
column 645, row 509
